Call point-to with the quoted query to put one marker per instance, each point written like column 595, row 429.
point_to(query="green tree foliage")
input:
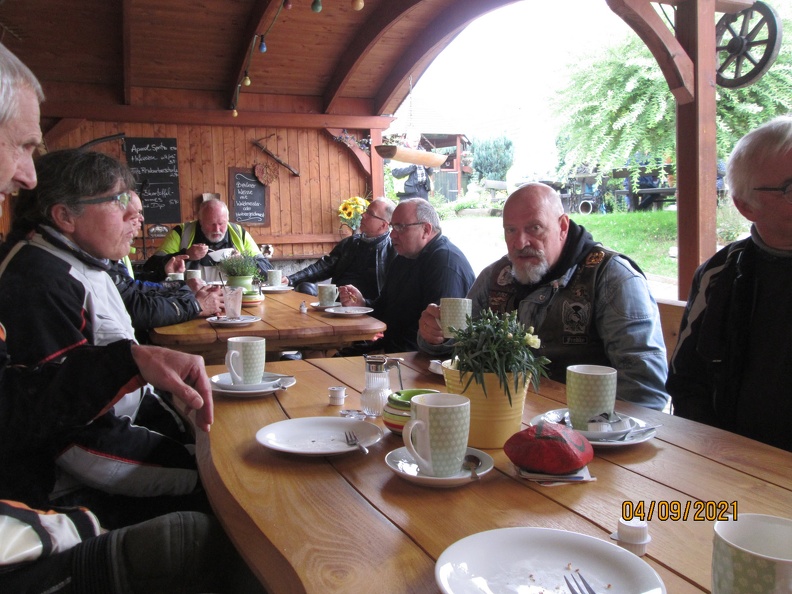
column 493, row 157
column 617, row 106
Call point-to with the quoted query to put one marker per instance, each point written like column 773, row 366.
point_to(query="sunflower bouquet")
column 351, row 210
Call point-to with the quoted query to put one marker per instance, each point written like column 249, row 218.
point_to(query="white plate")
column 349, row 311
column 535, row 561
column 265, row 389
column 554, row 416
column 276, row 289
column 224, row 321
column 317, row 436
column 403, row 464
column 317, row 305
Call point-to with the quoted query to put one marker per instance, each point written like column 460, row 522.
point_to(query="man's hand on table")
column 429, row 325
column 182, row 375
column 211, row 300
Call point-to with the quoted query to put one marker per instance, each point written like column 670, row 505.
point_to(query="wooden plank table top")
column 282, row 324
column 344, row 523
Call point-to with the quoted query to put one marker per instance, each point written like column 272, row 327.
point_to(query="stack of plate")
column 397, row 411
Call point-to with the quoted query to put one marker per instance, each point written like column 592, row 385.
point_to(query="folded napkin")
column 553, row 480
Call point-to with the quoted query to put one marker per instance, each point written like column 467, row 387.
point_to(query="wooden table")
column 348, row 524
column 281, row 324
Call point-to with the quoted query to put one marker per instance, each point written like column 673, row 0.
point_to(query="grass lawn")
column 643, row 236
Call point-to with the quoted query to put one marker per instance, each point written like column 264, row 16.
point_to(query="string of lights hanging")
column 259, row 38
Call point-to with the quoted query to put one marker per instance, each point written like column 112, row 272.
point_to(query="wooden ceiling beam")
column 199, row 117
column 380, row 21
column 262, row 14
column 429, row 43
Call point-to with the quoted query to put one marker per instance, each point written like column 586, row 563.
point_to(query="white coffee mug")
column 188, row 274
column 175, row 276
column 752, row 553
column 274, row 278
column 437, row 433
column 328, row 293
column 245, row 359
column 591, row 391
column 454, row 312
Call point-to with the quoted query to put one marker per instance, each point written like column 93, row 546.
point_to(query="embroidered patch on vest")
column 576, row 317
column 505, row 277
column 594, row 258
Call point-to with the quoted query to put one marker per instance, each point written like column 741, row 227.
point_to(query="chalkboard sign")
column 249, row 197
column 156, row 169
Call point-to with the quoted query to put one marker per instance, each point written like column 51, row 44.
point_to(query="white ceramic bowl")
column 220, row 255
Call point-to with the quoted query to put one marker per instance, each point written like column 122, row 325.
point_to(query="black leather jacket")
column 347, row 263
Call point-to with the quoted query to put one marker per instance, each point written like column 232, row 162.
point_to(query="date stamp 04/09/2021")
column 679, row 511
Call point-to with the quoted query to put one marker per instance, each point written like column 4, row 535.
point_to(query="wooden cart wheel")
column 746, row 45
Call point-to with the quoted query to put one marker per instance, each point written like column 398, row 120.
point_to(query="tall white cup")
column 591, row 391
column 245, row 359
column 437, row 433
column 752, row 554
column 328, row 293
column 454, row 312
column 188, row 274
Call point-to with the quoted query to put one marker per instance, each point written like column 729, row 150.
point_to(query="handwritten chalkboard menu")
column 249, row 197
column 156, row 169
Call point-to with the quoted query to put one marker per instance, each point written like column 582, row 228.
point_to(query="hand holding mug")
column 429, row 325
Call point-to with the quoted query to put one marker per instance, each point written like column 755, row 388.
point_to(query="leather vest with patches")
column 565, row 321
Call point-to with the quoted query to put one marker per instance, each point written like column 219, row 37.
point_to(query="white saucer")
column 274, row 289
column 349, row 311
column 224, row 321
column 403, row 464
column 436, row 366
column 317, row 436
column 249, row 390
column 320, row 307
column 601, row 438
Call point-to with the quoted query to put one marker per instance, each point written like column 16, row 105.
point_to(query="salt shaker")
column 375, row 395
column 303, row 307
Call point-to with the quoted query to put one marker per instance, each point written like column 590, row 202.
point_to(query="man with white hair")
column 731, row 365
column 192, row 242
column 587, row 304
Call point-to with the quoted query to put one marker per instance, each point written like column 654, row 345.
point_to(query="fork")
column 576, row 587
column 352, row 440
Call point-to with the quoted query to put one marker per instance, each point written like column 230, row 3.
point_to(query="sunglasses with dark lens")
column 122, row 200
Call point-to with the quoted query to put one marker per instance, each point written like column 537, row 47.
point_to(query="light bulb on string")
column 357, row 4
column 262, row 45
column 234, row 113
column 287, row 4
column 246, row 80
column 316, row 6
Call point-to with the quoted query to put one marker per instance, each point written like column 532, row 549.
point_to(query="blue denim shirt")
column 626, row 318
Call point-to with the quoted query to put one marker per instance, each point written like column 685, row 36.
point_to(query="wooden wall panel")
column 304, row 220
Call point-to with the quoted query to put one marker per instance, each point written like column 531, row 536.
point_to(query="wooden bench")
column 671, row 311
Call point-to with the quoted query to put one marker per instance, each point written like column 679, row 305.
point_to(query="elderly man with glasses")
column 427, row 268
column 361, row 260
column 731, row 365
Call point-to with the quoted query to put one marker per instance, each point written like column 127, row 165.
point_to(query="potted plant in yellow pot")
column 493, row 363
column 239, row 270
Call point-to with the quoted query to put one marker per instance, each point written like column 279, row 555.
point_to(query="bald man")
column 192, row 242
column 587, row 304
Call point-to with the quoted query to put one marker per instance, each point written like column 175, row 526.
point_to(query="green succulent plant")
column 500, row 344
column 240, row 265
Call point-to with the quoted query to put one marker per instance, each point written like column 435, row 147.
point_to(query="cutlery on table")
column 352, row 440
column 471, row 463
column 578, row 587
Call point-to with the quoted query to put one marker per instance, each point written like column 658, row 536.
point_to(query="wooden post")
column 696, row 152
column 377, row 167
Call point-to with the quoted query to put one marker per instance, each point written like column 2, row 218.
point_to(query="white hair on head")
column 14, row 77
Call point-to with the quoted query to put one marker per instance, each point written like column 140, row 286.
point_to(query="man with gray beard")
column 586, row 303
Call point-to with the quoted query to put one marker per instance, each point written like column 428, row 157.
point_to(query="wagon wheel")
column 746, row 45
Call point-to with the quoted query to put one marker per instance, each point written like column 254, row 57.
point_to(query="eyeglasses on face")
column 399, row 227
column 373, row 216
column 121, row 199
column 786, row 191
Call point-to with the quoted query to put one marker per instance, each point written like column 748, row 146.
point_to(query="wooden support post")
column 696, row 152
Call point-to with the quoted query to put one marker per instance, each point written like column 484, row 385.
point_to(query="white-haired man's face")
column 535, row 235
column 214, row 223
column 19, row 138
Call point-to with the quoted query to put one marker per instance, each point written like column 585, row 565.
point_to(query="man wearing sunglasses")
column 361, row 260
column 731, row 365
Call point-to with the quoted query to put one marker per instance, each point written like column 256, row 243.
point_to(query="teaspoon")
column 471, row 463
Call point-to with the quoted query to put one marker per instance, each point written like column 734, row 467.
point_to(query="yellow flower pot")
column 492, row 419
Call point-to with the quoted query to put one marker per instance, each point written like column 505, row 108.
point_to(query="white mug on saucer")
column 245, row 359
column 437, row 433
column 328, row 294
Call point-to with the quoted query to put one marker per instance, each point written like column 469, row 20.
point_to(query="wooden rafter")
column 430, row 42
column 262, row 14
column 381, row 20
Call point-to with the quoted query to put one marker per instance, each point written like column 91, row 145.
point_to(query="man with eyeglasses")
column 587, row 304
column 361, row 260
column 731, row 365
column 427, row 268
